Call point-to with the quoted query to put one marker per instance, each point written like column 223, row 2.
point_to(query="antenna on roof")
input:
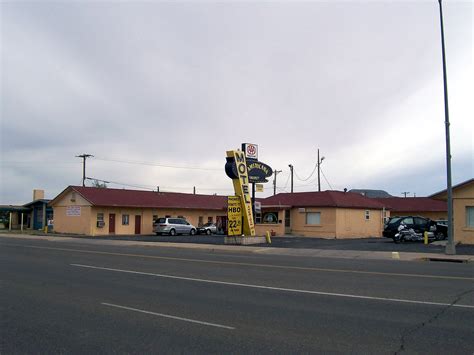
column 157, row 189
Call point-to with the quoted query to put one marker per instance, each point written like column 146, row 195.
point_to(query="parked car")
column 418, row 224
column 208, row 228
column 173, row 226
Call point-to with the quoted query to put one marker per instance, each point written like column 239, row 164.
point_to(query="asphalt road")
column 82, row 298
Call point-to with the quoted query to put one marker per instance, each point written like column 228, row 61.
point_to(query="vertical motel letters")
column 241, row 188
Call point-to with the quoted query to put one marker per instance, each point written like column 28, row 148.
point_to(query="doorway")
column 112, row 223
column 138, row 224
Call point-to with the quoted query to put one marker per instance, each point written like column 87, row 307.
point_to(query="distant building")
column 371, row 193
column 32, row 215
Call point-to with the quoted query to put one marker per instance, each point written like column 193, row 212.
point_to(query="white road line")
column 276, row 288
column 168, row 316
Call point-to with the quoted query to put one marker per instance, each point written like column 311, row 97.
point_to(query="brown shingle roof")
column 322, row 199
column 413, row 204
column 148, row 199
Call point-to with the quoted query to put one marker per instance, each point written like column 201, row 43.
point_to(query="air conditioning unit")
column 302, row 210
column 100, row 224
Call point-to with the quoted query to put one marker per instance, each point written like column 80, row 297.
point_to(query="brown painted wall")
column 463, row 196
column 192, row 216
column 72, row 224
column 327, row 228
column 352, row 223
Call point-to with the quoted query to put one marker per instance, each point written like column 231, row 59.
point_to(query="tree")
column 99, row 184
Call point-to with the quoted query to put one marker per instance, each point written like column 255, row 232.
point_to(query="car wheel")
column 208, row 231
column 440, row 236
column 192, row 231
column 172, row 232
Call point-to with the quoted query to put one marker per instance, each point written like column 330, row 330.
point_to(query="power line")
column 322, row 172
column 309, row 177
column 156, row 164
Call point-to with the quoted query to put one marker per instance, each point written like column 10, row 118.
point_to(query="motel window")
column 100, row 217
column 270, row 217
column 258, row 218
column 367, row 215
column 313, row 218
column 125, row 219
column 470, row 216
column 209, row 219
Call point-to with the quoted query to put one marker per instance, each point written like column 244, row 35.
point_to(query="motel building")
column 105, row 211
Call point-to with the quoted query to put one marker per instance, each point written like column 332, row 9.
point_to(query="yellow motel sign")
column 234, row 216
column 240, row 179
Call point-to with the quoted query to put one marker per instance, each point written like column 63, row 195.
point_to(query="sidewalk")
column 313, row 252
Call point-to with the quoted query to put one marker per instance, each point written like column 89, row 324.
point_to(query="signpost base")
column 239, row 240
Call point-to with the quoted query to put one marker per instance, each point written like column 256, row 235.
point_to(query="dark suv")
column 418, row 224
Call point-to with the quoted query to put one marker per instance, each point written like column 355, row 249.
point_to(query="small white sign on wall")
column 73, row 211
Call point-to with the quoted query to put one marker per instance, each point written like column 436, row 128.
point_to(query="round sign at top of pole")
column 251, row 151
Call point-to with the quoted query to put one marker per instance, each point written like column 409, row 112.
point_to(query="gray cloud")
column 181, row 83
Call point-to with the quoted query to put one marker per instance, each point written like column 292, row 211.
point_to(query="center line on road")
column 275, row 288
column 168, row 316
column 269, row 266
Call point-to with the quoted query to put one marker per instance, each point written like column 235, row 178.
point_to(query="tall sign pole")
column 450, row 246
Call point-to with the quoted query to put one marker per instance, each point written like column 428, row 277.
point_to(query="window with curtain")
column 313, row 218
column 470, row 216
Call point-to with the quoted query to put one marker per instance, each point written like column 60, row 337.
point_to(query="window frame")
column 125, row 219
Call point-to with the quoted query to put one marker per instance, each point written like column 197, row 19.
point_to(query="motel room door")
column 287, row 222
column 112, row 223
column 138, row 224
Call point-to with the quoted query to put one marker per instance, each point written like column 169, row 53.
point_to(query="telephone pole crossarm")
column 84, row 157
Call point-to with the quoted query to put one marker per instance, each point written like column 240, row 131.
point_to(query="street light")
column 450, row 247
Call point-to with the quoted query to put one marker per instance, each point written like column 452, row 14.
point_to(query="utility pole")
column 319, row 171
column 275, row 181
column 84, row 157
column 450, row 246
column 405, row 193
column 291, row 170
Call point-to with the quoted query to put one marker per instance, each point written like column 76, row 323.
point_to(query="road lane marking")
column 168, row 316
column 269, row 266
column 274, row 288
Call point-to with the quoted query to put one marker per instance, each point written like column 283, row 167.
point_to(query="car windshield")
column 394, row 220
column 208, row 224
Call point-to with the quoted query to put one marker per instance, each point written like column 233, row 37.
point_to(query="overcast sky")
column 179, row 83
